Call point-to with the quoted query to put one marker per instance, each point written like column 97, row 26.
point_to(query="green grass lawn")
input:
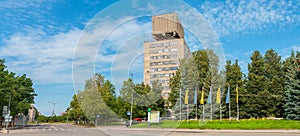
column 225, row 124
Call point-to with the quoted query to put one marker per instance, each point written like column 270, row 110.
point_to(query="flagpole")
column 238, row 112
column 180, row 103
column 211, row 111
column 187, row 112
column 210, row 103
column 237, row 102
column 219, row 95
column 202, row 112
column 228, row 100
column 220, row 112
column 196, row 111
column 229, row 110
column 196, row 103
column 202, row 102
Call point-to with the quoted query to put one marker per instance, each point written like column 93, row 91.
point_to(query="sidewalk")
column 201, row 130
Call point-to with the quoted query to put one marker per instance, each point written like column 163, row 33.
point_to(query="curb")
column 203, row 131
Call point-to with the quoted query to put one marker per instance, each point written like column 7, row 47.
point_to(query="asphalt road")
column 72, row 130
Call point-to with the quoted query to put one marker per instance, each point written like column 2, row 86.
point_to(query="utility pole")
column 131, row 107
column 53, row 103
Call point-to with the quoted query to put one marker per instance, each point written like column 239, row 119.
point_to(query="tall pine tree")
column 255, row 85
column 292, row 85
column 274, row 84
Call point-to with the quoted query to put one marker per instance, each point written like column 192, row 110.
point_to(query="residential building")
column 162, row 56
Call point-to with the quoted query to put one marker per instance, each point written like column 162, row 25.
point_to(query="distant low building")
column 32, row 113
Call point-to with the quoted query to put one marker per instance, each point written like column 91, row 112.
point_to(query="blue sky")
column 39, row 38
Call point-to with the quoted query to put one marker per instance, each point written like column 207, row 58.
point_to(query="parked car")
column 138, row 119
column 133, row 123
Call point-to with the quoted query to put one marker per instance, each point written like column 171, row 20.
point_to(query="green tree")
column 17, row 88
column 255, row 85
column 98, row 100
column 234, row 76
column 74, row 111
column 274, row 83
column 144, row 97
column 198, row 72
column 292, row 86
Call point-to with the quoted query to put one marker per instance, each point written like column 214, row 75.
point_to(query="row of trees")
column 16, row 89
column 98, row 101
column 270, row 88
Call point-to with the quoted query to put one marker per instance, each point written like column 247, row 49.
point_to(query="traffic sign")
column 149, row 109
column 8, row 118
column 5, row 110
column 128, row 113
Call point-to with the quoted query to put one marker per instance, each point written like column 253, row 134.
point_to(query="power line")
column 53, row 103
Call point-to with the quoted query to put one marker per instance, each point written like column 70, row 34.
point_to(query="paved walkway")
column 199, row 130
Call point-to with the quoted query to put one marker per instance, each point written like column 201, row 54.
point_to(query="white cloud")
column 231, row 17
column 17, row 4
column 286, row 52
column 109, row 45
column 46, row 59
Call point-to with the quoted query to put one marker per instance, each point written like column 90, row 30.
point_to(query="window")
column 153, row 76
column 153, row 63
column 173, row 62
column 173, row 43
column 167, row 81
column 155, row 45
column 153, row 57
column 166, row 62
column 173, row 56
column 152, row 70
column 173, row 68
column 173, row 49
column 166, row 69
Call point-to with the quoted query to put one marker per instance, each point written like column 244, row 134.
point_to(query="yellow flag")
column 237, row 93
column 219, row 96
column 202, row 97
column 186, row 99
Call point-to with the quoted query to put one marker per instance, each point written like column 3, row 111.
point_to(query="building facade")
column 162, row 56
column 32, row 113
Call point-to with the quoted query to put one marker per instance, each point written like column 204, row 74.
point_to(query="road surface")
column 72, row 130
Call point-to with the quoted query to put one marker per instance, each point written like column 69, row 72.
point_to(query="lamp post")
column 131, row 107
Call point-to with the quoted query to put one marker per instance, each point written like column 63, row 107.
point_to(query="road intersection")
column 73, row 130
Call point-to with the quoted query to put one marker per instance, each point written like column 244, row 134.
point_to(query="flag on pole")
column 209, row 96
column 228, row 95
column 237, row 93
column 218, row 100
column 202, row 97
column 186, row 99
column 195, row 96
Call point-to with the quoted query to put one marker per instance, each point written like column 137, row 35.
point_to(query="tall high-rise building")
column 162, row 56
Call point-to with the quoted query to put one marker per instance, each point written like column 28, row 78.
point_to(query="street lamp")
column 131, row 107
